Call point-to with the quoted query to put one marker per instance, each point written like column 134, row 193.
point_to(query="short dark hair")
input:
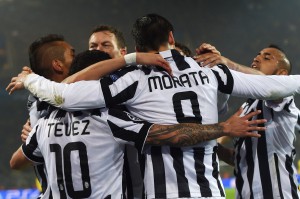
column 186, row 51
column 87, row 58
column 36, row 53
column 283, row 64
column 118, row 34
column 150, row 32
column 276, row 46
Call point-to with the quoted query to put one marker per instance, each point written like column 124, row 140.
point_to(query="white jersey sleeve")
column 264, row 87
column 89, row 94
column 76, row 96
column 223, row 103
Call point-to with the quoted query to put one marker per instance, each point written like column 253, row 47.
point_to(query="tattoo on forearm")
column 181, row 135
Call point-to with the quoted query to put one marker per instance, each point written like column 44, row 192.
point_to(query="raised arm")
column 100, row 69
column 188, row 134
column 268, row 87
column 55, row 93
column 209, row 56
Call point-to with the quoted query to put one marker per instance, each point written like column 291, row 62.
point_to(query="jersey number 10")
column 63, row 163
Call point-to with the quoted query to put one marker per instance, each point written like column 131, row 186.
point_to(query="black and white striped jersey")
column 83, row 151
column 264, row 166
column 37, row 110
column 298, row 123
column 189, row 96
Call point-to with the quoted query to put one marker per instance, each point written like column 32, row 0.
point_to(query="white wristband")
column 130, row 58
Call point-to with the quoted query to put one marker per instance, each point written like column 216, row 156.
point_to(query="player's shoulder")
column 122, row 72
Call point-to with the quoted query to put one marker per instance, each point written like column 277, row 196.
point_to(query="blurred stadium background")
column 238, row 28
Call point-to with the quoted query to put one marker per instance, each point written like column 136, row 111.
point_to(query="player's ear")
column 123, row 51
column 171, row 39
column 282, row 72
column 57, row 65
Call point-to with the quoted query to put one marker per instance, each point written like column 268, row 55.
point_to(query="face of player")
column 267, row 61
column 68, row 57
column 105, row 41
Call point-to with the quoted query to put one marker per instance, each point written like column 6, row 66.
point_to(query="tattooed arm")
column 188, row 134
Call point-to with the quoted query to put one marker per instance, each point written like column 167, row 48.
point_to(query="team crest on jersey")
column 133, row 118
column 114, row 77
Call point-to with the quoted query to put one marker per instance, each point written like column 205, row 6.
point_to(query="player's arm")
column 188, row 134
column 25, row 131
column 209, row 56
column 268, row 87
column 100, row 69
column 59, row 94
column 226, row 154
column 64, row 95
column 19, row 160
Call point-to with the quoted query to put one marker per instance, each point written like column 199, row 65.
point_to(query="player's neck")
column 162, row 48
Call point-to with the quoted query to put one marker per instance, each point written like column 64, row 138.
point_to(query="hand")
column 210, row 59
column 207, row 48
column 25, row 131
column 237, row 126
column 209, row 56
column 153, row 59
column 17, row 83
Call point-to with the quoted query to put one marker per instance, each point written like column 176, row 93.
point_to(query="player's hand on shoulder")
column 207, row 48
column 153, row 59
column 17, row 83
column 208, row 56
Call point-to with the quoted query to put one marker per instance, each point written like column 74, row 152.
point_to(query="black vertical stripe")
column 40, row 172
column 250, row 163
column 159, row 172
column 124, row 183
column 182, row 182
column 50, row 194
column 287, row 106
column 239, row 181
column 200, row 171
column 262, row 156
column 289, row 168
column 216, row 171
column 142, row 161
column 222, row 87
column 179, row 60
column 248, row 156
column 127, row 177
column 278, row 175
